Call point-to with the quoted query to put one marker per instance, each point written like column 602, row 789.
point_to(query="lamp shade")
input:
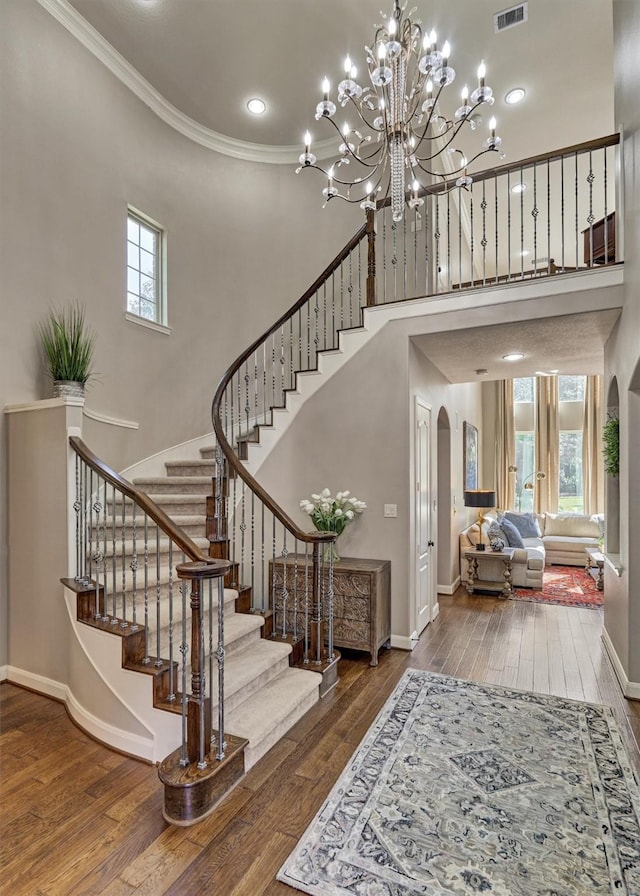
column 480, row 498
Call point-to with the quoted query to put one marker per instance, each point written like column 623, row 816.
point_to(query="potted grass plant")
column 68, row 344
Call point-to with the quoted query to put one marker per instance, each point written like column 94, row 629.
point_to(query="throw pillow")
column 514, row 539
column 526, row 524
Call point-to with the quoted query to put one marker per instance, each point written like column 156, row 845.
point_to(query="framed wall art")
column 470, row 456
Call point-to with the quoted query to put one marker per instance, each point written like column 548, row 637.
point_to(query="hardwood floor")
column 77, row 818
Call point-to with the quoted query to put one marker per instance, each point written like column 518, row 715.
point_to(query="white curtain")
column 505, row 452
column 545, row 496
column 592, row 463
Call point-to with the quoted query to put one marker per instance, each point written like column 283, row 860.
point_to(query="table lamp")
column 483, row 499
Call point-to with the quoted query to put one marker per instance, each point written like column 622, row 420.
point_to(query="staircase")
column 264, row 696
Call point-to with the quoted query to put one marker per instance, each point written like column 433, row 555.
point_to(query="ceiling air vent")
column 509, row 18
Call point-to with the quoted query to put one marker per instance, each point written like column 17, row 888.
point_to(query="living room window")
column 571, row 394
column 145, row 269
column 524, row 393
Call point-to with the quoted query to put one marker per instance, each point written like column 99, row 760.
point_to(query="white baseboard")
column 630, row 689
column 449, row 589
column 4, row 673
column 124, row 741
column 401, row 642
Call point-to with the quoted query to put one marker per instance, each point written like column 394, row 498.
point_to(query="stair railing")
column 290, row 571
column 549, row 214
column 142, row 577
column 452, row 237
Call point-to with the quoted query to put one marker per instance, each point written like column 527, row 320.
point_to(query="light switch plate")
column 391, row 510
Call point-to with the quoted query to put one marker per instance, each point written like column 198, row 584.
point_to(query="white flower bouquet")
column 332, row 514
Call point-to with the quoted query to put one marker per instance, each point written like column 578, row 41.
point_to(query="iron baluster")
column 105, row 595
column 146, row 659
column 123, row 557
column 590, row 217
column 158, row 650
column 114, row 589
column 483, row 241
column 534, row 215
column 548, row 218
column 285, row 590
column 509, row 225
column 77, row 506
column 134, row 571
column 495, row 215
column 172, row 684
column 589, row 263
column 449, row 242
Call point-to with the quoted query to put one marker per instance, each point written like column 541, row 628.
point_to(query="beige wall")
column 75, row 148
column 622, row 352
column 355, row 433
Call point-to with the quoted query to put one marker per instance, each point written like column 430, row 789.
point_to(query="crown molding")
column 93, row 41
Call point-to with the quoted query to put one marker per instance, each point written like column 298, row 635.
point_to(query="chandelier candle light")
column 400, row 132
column 332, row 514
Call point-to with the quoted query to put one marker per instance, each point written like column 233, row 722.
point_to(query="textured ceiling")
column 571, row 343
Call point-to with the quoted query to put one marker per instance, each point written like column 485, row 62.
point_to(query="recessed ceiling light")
column 518, row 188
column 515, row 96
column 513, row 356
column 257, row 106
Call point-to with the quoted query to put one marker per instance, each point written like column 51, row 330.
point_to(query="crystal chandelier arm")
column 452, row 130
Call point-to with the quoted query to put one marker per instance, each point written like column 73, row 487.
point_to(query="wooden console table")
column 361, row 600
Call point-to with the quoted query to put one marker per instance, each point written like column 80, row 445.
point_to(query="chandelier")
column 401, row 133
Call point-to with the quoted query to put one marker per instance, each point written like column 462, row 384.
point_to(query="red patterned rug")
column 570, row 586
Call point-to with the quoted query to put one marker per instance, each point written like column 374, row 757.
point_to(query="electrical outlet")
column 391, row 510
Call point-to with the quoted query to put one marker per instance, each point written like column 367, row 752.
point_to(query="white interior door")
column 424, row 543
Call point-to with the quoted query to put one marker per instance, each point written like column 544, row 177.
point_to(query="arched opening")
column 612, row 483
column 445, row 571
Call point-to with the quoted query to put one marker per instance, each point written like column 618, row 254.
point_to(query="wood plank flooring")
column 77, row 818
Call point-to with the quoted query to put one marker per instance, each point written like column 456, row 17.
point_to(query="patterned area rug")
column 463, row 788
column 570, row 586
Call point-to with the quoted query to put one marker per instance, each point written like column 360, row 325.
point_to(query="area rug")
column 570, row 586
column 464, row 788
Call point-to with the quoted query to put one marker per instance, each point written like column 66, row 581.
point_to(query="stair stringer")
column 153, row 733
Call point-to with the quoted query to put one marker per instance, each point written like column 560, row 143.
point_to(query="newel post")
column 208, row 763
column 198, row 703
column 371, row 257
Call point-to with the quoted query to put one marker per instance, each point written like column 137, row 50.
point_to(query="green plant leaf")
column 68, row 344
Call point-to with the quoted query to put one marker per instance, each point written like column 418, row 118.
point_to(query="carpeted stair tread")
column 248, row 672
column 266, row 716
column 241, row 631
column 203, row 467
column 179, row 485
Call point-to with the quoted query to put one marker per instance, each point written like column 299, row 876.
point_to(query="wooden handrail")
column 227, row 449
column 189, row 547
column 501, row 170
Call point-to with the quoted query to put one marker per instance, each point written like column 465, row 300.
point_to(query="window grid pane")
column 144, row 298
column 570, row 487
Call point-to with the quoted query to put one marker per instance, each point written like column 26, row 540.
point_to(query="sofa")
column 545, row 539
